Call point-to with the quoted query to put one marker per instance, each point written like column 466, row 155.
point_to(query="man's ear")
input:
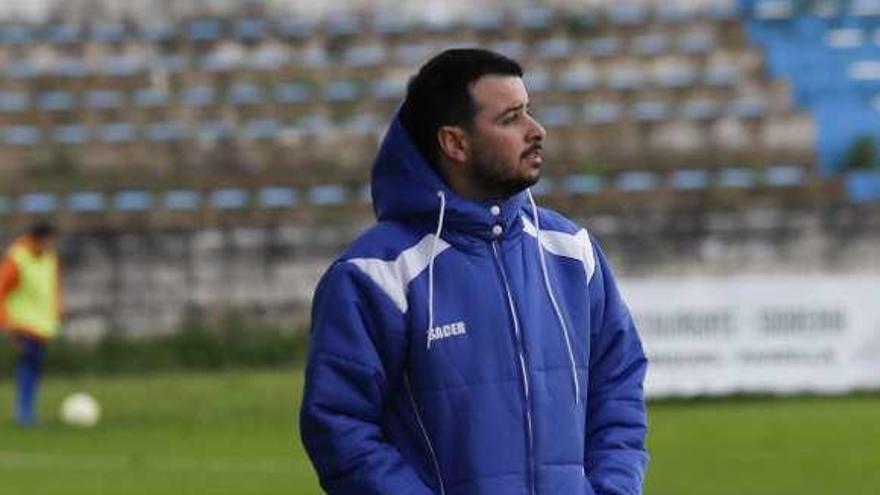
column 454, row 143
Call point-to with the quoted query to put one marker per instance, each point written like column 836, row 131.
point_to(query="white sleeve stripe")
column 394, row 276
column 575, row 246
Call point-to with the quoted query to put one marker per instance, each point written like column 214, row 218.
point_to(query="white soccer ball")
column 80, row 410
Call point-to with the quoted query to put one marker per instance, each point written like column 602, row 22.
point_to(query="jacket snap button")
column 497, row 230
column 495, row 210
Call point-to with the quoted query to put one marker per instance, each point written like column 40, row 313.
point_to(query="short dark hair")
column 439, row 94
column 42, row 230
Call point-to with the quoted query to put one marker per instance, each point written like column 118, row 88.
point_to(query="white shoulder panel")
column 394, row 276
column 576, row 246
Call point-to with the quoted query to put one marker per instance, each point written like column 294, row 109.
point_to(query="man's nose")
column 536, row 130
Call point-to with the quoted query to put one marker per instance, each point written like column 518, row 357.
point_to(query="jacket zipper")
column 412, row 399
column 522, row 364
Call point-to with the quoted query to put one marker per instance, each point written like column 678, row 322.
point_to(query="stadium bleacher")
column 680, row 96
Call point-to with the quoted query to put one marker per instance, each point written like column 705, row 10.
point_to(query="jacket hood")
column 405, row 187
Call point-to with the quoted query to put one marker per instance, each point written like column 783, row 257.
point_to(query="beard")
column 499, row 179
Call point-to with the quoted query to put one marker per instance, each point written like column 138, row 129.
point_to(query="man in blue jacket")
column 471, row 343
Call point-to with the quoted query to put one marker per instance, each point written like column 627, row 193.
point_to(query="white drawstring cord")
column 431, row 266
column 549, row 288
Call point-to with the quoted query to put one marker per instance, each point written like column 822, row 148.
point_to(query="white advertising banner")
column 715, row 336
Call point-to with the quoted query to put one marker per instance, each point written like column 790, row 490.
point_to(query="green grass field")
column 235, row 433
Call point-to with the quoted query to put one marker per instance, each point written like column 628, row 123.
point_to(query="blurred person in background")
column 470, row 342
column 30, row 309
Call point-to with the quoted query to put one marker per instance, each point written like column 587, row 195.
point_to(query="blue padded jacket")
column 474, row 362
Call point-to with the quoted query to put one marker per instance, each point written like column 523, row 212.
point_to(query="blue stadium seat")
column 863, row 186
column 158, row 32
column 251, row 29
column 650, row 111
column 315, row 56
column 103, row 99
column 538, row 81
column 675, row 76
column 689, row 180
column 118, row 132
column 578, row 79
column 243, row 93
column 864, row 71
column 167, row 131
column 216, row 129
column 121, row 65
column 699, row 109
column 113, row 32
column 328, row 194
column 676, row 12
column 724, row 10
column 85, row 202
column 13, row 101
column 602, row 113
column 607, row 46
column 16, row 34
column 697, row 42
column 312, row 125
column 650, row 44
column 390, row 22
column 293, row 92
column 748, row 107
column 151, row 97
column 37, row 203
column 21, row 135
column 262, row 128
column 556, row 115
column 554, row 48
column 344, row 90
column 534, row 17
column 132, row 200
column 583, row 184
column 268, row 58
column 721, row 76
column 222, row 59
column 22, row 69
column 297, row 28
column 277, row 197
column 368, row 55
column 70, row 67
column 627, row 13
column 389, row 88
column 230, row 198
column 773, row 10
column 636, row 181
column 56, row 101
column 410, row 54
column 865, row 8
column 63, row 34
column 198, row 96
column 736, row 178
column 343, row 25
column 71, row 134
column 784, row 176
column 171, row 63
column 363, row 124
column 181, row 199
column 626, row 78
column 510, row 48
column 845, row 38
column 486, row 20
column 204, row 30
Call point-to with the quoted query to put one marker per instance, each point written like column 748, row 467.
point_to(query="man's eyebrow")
column 511, row 109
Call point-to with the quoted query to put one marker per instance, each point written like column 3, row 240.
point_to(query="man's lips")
column 536, row 151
